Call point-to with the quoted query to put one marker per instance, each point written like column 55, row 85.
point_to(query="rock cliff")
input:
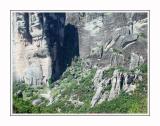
column 44, row 44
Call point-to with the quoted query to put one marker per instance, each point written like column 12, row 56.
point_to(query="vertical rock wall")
column 44, row 44
column 37, row 40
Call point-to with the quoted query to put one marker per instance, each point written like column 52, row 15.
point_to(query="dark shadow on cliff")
column 64, row 42
column 68, row 50
column 24, row 30
column 71, row 44
column 54, row 29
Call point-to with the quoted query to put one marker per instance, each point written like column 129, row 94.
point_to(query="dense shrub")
column 50, row 82
column 18, row 86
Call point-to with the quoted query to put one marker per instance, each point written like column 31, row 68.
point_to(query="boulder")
column 135, row 61
column 48, row 96
column 97, row 96
column 37, row 102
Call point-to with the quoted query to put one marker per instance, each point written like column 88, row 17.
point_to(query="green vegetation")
column 123, row 104
column 108, row 73
column 122, row 69
column 76, row 84
column 108, row 88
column 143, row 68
column 50, row 82
column 18, row 86
column 83, row 91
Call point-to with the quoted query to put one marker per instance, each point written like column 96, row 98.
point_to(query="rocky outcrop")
column 136, row 60
column 48, row 96
column 37, row 102
column 109, row 88
column 99, row 84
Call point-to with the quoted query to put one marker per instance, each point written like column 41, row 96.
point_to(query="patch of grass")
column 143, row 68
column 108, row 88
column 123, row 104
column 108, row 73
column 21, row 106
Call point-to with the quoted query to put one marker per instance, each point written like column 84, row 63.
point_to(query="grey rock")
column 37, row 102
column 135, row 61
column 42, row 53
column 129, row 39
column 140, row 78
column 76, row 102
column 33, row 74
column 115, row 90
column 37, row 36
column 48, row 96
column 139, row 16
column 130, row 89
column 97, row 52
column 104, row 97
column 120, row 81
column 99, row 84
column 52, row 40
column 97, row 96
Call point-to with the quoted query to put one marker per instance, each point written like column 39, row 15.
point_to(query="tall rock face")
column 37, row 46
column 44, row 44
column 116, row 39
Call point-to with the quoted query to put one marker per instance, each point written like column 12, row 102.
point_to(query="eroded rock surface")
column 39, row 50
column 44, row 44
column 109, row 88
